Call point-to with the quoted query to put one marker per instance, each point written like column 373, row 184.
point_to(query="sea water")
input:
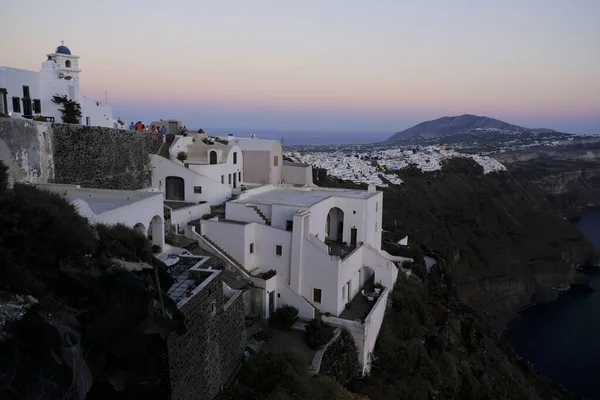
column 562, row 339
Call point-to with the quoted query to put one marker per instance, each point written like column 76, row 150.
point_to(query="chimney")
column 371, row 189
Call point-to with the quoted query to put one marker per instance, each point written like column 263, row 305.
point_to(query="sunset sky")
column 327, row 65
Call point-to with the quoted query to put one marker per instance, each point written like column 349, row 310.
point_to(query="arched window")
column 175, row 188
column 68, row 63
column 213, row 157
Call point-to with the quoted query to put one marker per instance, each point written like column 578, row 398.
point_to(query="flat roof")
column 178, row 205
column 302, row 197
column 99, row 200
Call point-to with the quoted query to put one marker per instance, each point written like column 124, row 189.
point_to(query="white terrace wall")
column 364, row 334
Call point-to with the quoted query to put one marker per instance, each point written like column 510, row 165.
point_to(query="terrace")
column 364, row 301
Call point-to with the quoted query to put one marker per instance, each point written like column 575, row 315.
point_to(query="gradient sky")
column 324, row 65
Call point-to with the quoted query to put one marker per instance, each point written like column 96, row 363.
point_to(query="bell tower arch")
column 67, row 64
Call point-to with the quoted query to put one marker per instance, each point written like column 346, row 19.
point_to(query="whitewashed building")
column 324, row 245
column 27, row 94
column 136, row 209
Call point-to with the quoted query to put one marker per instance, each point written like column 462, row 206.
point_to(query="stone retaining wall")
column 40, row 152
column 203, row 359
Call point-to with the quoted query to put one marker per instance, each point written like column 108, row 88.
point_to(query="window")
column 375, row 226
column 276, row 161
column 223, row 179
column 317, row 295
column 289, row 225
column 343, row 292
column 37, row 106
column 68, row 63
column 25, row 91
column 16, row 105
column 278, row 250
column 229, row 179
column 3, row 105
column 198, row 189
column 354, row 212
column 88, row 121
column 251, row 248
column 240, row 176
column 213, row 307
column 235, row 157
column 376, row 207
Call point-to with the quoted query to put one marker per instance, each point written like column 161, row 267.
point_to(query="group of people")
column 138, row 126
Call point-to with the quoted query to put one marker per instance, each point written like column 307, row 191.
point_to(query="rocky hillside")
column 501, row 238
column 75, row 321
column 460, row 125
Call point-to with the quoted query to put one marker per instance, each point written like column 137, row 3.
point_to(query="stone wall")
column 40, row 152
column 203, row 359
column 103, row 157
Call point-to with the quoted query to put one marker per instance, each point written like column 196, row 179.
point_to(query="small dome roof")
column 63, row 50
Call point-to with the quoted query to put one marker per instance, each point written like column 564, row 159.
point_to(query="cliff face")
column 504, row 245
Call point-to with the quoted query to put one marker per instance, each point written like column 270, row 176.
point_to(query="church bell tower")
column 67, row 64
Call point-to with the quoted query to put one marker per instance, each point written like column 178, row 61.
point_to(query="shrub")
column 318, row 333
column 182, row 156
column 39, row 118
column 169, row 138
column 284, row 317
column 269, row 274
column 155, row 249
column 123, row 242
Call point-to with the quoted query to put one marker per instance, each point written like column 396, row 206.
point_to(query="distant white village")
column 370, row 166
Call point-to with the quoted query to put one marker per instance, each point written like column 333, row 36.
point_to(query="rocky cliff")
column 504, row 243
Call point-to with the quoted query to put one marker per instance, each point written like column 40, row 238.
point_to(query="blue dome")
column 63, row 50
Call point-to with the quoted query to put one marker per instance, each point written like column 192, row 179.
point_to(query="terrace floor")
column 338, row 249
column 282, row 340
column 360, row 307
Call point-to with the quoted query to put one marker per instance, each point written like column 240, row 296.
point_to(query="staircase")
column 226, row 254
column 261, row 215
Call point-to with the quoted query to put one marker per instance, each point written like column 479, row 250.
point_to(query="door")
column 234, row 180
column 173, row 127
column 27, row 107
column 271, row 302
column 340, row 232
column 353, row 233
column 348, row 291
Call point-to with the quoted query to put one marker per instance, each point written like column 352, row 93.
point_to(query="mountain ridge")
column 461, row 124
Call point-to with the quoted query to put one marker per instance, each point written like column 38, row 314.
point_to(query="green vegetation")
column 71, row 111
column 90, row 318
column 182, row 156
column 284, row 317
column 283, row 377
column 318, row 333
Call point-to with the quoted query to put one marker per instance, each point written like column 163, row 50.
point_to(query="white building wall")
column 231, row 237
column 280, row 214
column 319, row 271
column 95, row 112
column 297, row 174
column 44, row 85
column 183, row 216
column 242, row 212
column 266, row 239
column 212, row 192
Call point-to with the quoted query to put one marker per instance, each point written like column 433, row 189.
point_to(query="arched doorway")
column 175, row 188
column 366, row 275
column 213, row 157
column 334, row 227
column 156, row 232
